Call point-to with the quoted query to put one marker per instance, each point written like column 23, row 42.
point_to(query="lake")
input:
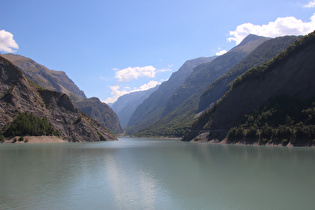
column 155, row 174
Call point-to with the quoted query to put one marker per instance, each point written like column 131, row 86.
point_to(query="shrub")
column 251, row 135
column 2, row 139
column 236, row 134
column 28, row 124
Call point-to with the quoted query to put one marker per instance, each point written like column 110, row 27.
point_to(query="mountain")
column 260, row 55
column 20, row 96
column 127, row 104
column 60, row 82
column 181, row 107
column 100, row 112
column 271, row 103
column 46, row 78
column 151, row 109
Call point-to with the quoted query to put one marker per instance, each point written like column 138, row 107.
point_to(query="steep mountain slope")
column 289, row 75
column 18, row 94
column 60, row 82
column 127, row 104
column 181, row 108
column 100, row 112
column 46, row 78
column 151, row 109
column 260, row 55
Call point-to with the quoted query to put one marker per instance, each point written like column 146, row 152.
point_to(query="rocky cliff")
column 46, row 78
column 18, row 94
column 100, row 112
column 60, row 82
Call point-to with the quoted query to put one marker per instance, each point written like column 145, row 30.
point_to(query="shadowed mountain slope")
column 152, row 108
column 181, row 108
column 100, row 112
column 289, row 76
column 260, row 55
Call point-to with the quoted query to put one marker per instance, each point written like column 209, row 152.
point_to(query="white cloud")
column 149, row 85
column 280, row 27
column 116, row 92
column 221, row 52
column 130, row 73
column 164, row 70
column 310, row 5
column 7, row 43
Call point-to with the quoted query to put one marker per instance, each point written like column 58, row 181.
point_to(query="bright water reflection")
column 155, row 174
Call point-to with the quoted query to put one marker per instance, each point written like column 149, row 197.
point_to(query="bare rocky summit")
column 19, row 94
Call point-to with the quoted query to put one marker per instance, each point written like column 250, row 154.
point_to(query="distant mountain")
column 46, row 78
column 260, row 55
column 100, row 112
column 151, row 109
column 60, row 82
column 19, row 95
column 181, row 107
column 272, row 103
column 127, row 104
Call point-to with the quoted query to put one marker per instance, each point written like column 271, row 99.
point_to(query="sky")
column 114, row 47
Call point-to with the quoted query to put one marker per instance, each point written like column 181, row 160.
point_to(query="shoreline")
column 34, row 139
column 224, row 141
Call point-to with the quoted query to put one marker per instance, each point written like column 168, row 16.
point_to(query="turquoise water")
column 155, row 174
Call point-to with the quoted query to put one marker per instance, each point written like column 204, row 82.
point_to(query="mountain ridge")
column 19, row 94
column 181, row 108
column 150, row 110
column 290, row 74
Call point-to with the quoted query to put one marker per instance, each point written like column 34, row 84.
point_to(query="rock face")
column 290, row 74
column 46, row 78
column 60, row 82
column 100, row 112
column 19, row 94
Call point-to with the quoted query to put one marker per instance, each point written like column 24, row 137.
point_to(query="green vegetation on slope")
column 271, row 103
column 282, row 120
column 27, row 124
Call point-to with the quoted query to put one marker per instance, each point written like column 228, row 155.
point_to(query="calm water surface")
column 155, row 174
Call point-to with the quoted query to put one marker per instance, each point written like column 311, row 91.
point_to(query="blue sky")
column 112, row 47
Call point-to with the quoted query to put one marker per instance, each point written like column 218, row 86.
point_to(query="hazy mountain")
column 127, row 104
column 277, row 97
column 180, row 109
column 100, row 112
column 18, row 94
column 46, row 78
column 260, row 55
column 151, row 109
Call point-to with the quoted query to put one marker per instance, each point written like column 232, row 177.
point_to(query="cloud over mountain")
column 280, row 27
column 7, row 43
column 117, row 91
column 130, row 73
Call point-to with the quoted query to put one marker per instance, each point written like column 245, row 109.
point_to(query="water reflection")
column 155, row 174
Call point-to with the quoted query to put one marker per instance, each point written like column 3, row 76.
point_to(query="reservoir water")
column 155, row 174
